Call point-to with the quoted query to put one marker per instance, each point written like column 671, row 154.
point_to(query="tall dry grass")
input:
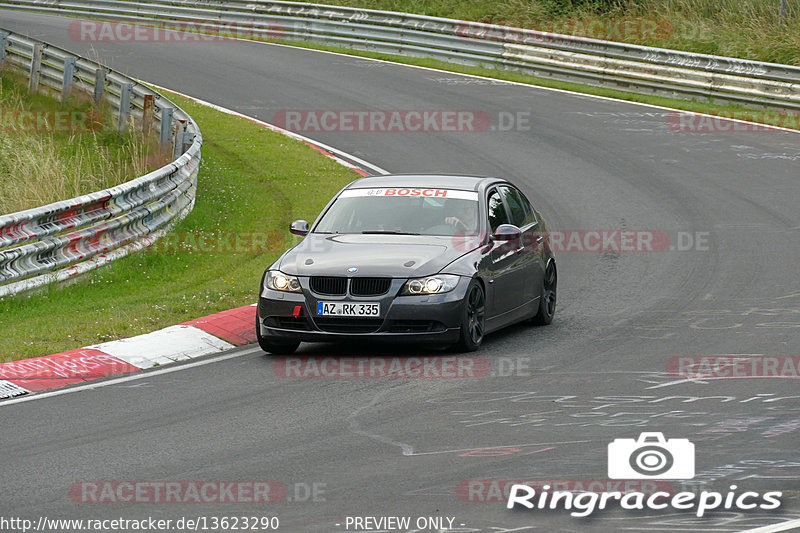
column 59, row 160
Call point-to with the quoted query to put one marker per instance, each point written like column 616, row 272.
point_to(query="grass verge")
column 51, row 152
column 252, row 183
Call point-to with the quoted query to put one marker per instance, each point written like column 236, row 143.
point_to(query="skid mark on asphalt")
column 355, row 427
column 408, row 449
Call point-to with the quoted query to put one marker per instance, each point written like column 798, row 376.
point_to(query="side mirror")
column 507, row 232
column 299, row 227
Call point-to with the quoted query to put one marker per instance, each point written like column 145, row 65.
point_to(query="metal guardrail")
column 563, row 57
column 59, row 240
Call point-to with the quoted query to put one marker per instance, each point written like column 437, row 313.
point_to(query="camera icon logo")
column 651, row 457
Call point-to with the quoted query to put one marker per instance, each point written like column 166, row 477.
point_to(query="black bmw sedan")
column 438, row 259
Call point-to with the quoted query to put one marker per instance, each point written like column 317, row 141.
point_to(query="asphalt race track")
column 556, row 397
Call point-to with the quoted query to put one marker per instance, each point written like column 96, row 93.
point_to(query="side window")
column 497, row 211
column 519, row 217
column 529, row 212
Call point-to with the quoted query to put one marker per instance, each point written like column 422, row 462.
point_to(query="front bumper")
column 432, row 318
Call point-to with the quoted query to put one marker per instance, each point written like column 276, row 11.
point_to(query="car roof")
column 432, row 181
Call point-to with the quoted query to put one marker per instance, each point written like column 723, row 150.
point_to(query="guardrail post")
column 177, row 149
column 3, row 41
column 69, row 75
column 124, row 106
column 188, row 139
column 147, row 113
column 99, row 85
column 166, row 126
column 36, row 67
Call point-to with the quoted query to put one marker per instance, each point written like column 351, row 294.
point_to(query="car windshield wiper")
column 388, row 232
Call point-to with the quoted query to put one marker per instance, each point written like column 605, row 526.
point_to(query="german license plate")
column 356, row 309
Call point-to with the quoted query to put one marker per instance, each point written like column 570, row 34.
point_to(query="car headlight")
column 278, row 281
column 430, row 285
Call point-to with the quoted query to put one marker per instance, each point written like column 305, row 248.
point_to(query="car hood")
column 373, row 255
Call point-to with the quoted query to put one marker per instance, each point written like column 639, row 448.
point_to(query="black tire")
column 547, row 302
column 270, row 346
column 473, row 319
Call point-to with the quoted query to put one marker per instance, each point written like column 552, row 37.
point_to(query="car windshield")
column 404, row 211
